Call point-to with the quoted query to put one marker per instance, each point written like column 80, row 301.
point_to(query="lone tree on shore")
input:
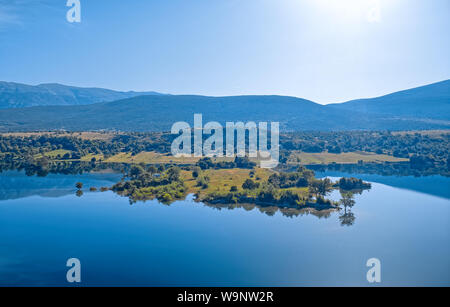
column 79, row 185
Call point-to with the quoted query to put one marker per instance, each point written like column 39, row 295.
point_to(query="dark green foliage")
column 239, row 162
column 352, row 184
column 288, row 180
column 424, row 151
column 250, row 185
column 136, row 171
column 203, row 181
column 196, row 172
column 166, row 187
column 320, row 187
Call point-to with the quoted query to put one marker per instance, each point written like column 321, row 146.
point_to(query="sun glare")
column 370, row 10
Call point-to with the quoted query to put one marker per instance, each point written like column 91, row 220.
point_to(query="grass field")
column 221, row 180
column 88, row 158
column 157, row 158
column 54, row 153
column 151, row 158
column 298, row 157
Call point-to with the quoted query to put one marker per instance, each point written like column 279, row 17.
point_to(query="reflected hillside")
column 16, row 184
column 433, row 185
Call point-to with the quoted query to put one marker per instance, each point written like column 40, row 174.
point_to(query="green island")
column 238, row 182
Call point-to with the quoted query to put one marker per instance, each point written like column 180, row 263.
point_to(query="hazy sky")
column 323, row 50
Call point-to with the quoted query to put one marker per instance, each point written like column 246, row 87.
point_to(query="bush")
column 250, row 185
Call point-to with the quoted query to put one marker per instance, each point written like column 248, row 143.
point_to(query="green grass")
column 221, row 180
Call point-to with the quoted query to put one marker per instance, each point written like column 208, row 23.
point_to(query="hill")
column 17, row 95
column 60, row 107
column 159, row 112
column 430, row 102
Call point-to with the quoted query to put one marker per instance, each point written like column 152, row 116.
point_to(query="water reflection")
column 25, row 183
column 399, row 176
column 344, row 208
column 347, row 217
column 17, row 184
column 272, row 210
column 21, row 184
column 191, row 244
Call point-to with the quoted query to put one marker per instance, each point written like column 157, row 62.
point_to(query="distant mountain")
column 16, row 95
column 426, row 102
column 157, row 113
column 72, row 108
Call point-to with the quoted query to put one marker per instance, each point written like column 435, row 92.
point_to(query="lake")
column 403, row 221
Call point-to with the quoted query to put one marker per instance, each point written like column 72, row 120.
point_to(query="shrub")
column 250, row 185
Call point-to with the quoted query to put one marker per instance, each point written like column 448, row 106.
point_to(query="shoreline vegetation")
column 152, row 173
column 219, row 183
column 402, row 153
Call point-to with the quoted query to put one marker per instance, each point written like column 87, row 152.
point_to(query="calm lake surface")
column 403, row 221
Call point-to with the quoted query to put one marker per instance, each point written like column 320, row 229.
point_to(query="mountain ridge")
column 19, row 95
column 428, row 108
column 407, row 103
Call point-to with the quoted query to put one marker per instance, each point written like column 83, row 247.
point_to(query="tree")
column 249, row 185
column 196, row 172
column 321, row 187
column 135, row 171
column 203, row 181
column 174, row 173
column 347, row 218
column 301, row 182
column 79, row 185
column 233, row 189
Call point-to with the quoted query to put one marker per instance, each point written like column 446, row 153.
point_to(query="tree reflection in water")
column 347, row 217
column 271, row 210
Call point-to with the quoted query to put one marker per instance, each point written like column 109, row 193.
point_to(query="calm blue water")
column 190, row 244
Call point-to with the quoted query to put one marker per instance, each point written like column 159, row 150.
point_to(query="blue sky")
column 323, row 50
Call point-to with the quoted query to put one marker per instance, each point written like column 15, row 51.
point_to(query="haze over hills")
column 17, row 95
column 429, row 101
column 428, row 108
